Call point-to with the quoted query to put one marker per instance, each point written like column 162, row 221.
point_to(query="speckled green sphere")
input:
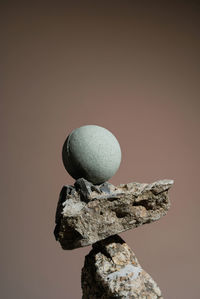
column 91, row 152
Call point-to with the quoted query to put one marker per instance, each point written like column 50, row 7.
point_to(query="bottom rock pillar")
column 111, row 270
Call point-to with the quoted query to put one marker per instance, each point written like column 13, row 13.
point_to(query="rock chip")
column 111, row 270
column 88, row 213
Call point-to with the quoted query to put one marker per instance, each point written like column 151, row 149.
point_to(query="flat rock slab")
column 87, row 213
column 111, row 270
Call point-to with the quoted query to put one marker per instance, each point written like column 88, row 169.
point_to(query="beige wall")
column 129, row 66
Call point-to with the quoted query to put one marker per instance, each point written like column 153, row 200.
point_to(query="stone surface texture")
column 111, row 270
column 91, row 152
column 88, row 213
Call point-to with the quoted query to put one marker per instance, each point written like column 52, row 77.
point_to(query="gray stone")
column 87, row 213
column 91, row 152
column 111, row 270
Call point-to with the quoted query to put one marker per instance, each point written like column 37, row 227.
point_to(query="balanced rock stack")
column 93, row 212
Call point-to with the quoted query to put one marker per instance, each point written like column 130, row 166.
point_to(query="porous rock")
column 111, row 270
column 88, row 213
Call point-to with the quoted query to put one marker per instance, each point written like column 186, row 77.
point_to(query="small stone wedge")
column 88, row 213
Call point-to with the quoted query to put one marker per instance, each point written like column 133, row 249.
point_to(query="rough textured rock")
column 87, row 213
column 111, row 270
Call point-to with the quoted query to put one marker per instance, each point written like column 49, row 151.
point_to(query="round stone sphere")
column 91, row 152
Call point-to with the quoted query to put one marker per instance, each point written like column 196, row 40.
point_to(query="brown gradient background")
column 129, row 66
